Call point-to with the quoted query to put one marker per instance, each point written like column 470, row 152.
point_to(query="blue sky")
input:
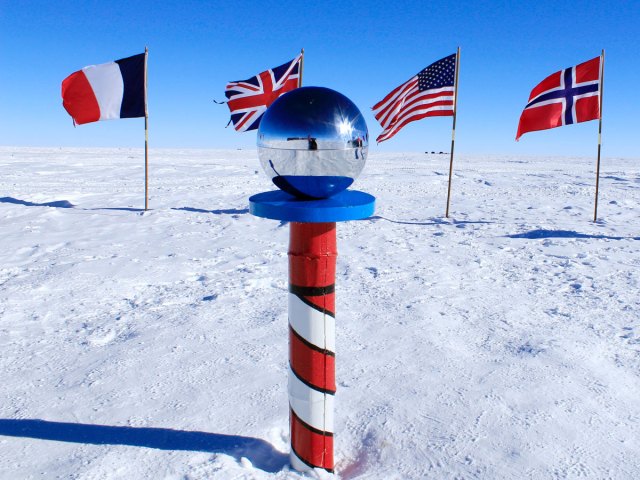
column 362, row 49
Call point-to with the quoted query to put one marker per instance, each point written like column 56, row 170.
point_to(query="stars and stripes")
column 430, row 93
column 569, row 96
column 249, row 99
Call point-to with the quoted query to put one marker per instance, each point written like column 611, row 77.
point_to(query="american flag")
column 569, row 96
column 428, row 94
column 249, row 99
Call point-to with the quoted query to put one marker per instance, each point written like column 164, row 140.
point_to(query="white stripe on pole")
column 312, row 407
column 312, row 325
column 108, row 87
column 298, row 464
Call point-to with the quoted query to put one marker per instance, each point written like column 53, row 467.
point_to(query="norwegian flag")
column 569, row 96
column 249, row 99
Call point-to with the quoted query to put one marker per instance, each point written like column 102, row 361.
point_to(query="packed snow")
column 501, row 343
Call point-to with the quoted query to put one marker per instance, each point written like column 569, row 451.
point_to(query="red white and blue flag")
column 107, row 91
column 249, row 99
column 430, row 93
column 569, row 96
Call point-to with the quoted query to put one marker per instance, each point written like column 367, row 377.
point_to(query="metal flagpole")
column 453, row 130
column 595, row 210
column 146, row 135
column 301, row 68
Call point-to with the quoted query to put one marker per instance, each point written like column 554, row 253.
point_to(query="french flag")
column 107, row 91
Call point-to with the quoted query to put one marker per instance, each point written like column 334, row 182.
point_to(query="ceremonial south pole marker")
column 312, row 143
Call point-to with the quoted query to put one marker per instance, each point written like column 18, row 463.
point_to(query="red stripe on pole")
column 324, row 303
column 312, row 254
column 311, row 365
column 79, row 100
column 313, row 447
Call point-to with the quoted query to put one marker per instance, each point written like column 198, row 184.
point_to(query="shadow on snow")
column 541, row 233
column 435, row 221
column 58, row 204
column 228, row 211
column 260, row 453
column 63, row 204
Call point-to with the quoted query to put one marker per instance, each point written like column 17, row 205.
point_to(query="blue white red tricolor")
column 569, row 96
column 249, row 99
column 312, row 382
column 107, row 91
column 430, row 93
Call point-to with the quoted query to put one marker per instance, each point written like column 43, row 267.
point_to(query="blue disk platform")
column 279, row 205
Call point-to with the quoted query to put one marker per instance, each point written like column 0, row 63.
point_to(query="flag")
column 428, row 94
column 107, row 91
column 249, row 99
column 569, row 96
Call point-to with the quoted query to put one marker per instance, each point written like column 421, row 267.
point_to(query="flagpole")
column 301, row 68
column 146, row 135
column 595, row 210
column 453, row 130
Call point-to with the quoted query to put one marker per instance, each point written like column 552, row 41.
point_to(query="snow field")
column 503, row 342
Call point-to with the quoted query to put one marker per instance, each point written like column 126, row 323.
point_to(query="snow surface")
column 502, row 343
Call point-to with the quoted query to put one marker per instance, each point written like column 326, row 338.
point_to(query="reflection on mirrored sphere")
column 313, row 142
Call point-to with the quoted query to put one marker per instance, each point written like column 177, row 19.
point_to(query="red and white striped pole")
column 313, row 197
column 312, row 384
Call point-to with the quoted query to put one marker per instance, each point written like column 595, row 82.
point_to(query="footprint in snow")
column 629, row 334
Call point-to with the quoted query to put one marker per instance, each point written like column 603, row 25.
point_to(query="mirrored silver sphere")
column 313, row 142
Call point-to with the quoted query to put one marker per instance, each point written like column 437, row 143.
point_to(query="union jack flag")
column 569, row 96
column 249, row 99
